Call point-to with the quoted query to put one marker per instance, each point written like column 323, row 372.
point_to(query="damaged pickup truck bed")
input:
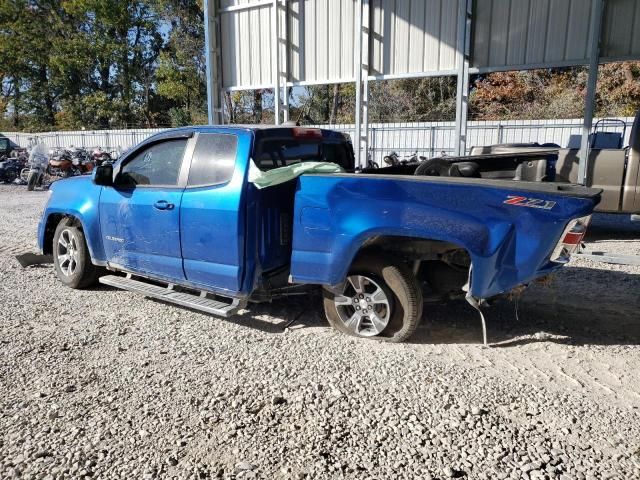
column 179, row 218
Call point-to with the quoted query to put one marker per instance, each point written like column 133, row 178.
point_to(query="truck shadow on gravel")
column 583, row 306
column 612, row 227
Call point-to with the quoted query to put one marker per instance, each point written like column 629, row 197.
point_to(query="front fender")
column 77, row 197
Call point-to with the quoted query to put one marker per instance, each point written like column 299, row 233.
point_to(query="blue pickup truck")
column 178, row 218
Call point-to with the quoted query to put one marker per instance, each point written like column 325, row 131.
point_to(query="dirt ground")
column 575, row 343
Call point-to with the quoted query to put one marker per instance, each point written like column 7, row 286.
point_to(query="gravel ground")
column 107, row 384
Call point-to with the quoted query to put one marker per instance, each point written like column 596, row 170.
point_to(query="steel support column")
column 465, row 8
column 358, row 71
column 275, row 43
column 595, row 28
column 364, row 66
column 213, row 61
column 284, row 39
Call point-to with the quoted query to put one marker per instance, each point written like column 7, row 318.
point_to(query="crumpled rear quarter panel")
column 509, row 245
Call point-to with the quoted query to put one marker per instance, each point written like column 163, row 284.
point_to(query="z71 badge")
column 529, row 202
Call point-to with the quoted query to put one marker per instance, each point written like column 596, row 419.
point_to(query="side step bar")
column 168, row 294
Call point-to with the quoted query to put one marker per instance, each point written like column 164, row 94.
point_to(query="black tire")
column 78, row 273
column 399, row 283
column 434, row 167
column 31, row 181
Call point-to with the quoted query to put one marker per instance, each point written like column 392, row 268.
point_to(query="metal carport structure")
column 276, row 44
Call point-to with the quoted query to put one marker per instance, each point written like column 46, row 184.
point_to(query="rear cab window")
column 282, row 149
column 214, row 159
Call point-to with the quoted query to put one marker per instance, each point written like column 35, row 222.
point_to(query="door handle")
column 163, row 205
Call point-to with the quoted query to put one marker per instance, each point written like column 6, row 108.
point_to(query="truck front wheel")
column 71, row 256
column 380, row 298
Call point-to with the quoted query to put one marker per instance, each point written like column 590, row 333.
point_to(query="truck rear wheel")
column 381, row 298
column 71, row 257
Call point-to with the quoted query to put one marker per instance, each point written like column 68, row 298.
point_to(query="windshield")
column 276, row 153
column 4, row 144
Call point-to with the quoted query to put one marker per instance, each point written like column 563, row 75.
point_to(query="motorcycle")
column 21, row 155
column 60, row 163
column 9, row 170
column 38, row 165
column 99, row 156
column 70, row 162
column 394, row 160
column 81, row 160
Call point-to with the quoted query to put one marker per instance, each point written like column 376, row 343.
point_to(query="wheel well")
column 50, row 229
column 442, row 266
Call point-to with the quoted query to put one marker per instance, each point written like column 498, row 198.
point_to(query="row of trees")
column 100, row 63
column 70, row 64
column 523, row 95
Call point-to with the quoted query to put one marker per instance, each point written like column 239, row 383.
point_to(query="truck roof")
column 266, row 130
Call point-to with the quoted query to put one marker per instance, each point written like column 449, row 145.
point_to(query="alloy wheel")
column 67, row 252
column 364, row 307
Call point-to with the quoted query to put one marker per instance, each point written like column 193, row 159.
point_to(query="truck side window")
column 158, row 165
column 214, row 159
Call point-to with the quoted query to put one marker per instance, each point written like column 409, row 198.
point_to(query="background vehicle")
column 60, row 162
column 99, row 156
column 38, row 164
column 70, row 161
column 179, row 214
column 5, row 147
column 9, row 170
column 613, row 168
column 393, row 159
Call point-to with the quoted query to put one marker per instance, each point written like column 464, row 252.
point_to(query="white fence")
column 432, row 138
column 427, row 138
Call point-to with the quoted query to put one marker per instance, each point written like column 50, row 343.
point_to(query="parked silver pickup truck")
column 612, row 167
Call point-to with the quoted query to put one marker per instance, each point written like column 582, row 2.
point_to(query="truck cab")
column 173, row 214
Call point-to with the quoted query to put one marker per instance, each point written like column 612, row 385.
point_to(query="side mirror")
column 104, row 175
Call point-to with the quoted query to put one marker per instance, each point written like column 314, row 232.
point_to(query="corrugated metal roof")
column 621, row 29
column 246, row 37
column 513, row 34
column 409, row 37
column 413, row 36
column 521, row 33
column 321, row 40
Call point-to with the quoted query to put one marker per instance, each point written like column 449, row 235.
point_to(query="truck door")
column 212, row 215
column 140, row 214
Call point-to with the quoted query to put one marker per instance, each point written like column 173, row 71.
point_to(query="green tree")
column 181, row 71
column 26, row 30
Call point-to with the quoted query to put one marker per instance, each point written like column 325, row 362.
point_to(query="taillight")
column 571, row 239
column 302, row 132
